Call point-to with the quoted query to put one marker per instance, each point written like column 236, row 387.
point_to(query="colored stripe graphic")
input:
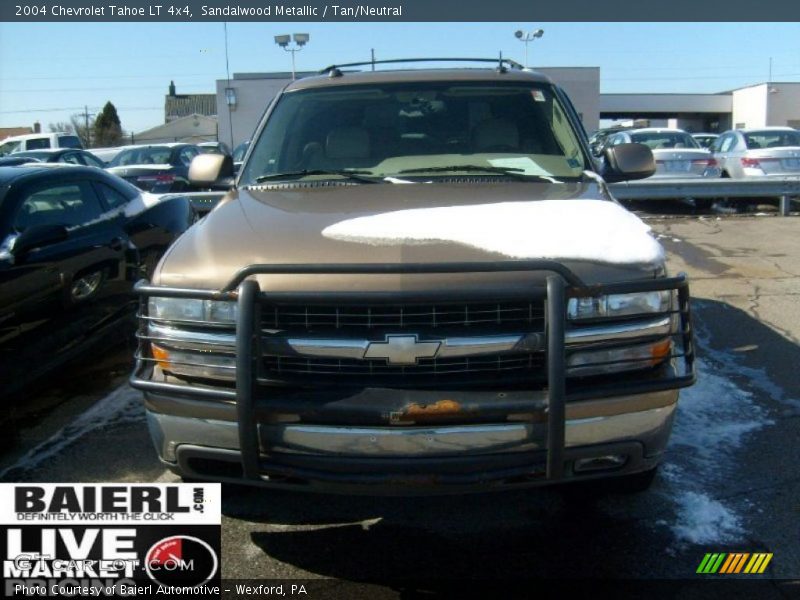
column 763, row 566
column 727, row 564
column 734, row 563
column 711, row 563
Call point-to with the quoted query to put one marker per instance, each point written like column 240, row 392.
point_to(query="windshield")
column 771, row 139
column 151, row 155
column 396, row 129
column 9, row 147
column 661, row 140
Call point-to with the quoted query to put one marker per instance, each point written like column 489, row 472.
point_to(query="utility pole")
column 86, row 118
column 372, row 53
column 87, row 132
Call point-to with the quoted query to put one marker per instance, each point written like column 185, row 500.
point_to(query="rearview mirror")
column 38, row 236
column 206, row 169
column 625, row 162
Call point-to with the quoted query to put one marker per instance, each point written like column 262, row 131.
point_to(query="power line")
column 103, row 89
column 150, row 76
column 70, row 108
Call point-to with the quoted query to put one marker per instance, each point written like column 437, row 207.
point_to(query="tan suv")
column 419, row 283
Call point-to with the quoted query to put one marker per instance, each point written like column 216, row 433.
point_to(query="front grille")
column 372, row 322
column 416, row 318
column 377, row 372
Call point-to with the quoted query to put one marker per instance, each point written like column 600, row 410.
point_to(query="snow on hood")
column 594, row 230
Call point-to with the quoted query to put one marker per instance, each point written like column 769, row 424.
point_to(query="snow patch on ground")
column 595, row 230
column 703, row 520
column 715, row 417
column 123, row 405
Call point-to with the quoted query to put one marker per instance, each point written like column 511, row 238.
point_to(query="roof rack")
column 502, row 63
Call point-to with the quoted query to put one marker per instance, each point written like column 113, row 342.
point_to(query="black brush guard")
column 562, row 284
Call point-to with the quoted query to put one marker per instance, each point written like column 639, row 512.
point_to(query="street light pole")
column 528, row 37
column 300, row 40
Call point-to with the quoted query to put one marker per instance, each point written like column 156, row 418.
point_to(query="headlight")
column 617, row 360
column 195, row 364
column 618, row 305
column 183, row 309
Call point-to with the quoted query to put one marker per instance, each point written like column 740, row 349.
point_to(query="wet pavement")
column 730, row 480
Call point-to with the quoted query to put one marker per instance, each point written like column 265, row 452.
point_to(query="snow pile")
column 702, row 520
column 714, row 417
column 593, row 230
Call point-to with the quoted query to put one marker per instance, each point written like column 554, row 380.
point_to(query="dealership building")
column 241, row 101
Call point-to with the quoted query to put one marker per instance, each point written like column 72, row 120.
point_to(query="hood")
column 421, row 223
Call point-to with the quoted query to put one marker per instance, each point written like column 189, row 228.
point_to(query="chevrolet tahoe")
column 419, row 283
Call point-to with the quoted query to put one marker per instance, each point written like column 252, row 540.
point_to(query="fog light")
column 600, row 463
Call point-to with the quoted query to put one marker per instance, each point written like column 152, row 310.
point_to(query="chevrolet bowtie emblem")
column 402, row 349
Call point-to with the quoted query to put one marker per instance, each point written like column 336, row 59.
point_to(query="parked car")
column 215, row 147
column 705, row 139
column 38, row 141
column 71, row 235
column 676, row 152
column 158, row 168
column 597, row 140
column 416, row 285
column 107, row 154
column 763, row 152
column 64, row 155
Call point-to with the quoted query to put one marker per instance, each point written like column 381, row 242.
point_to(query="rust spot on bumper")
column 426, row 412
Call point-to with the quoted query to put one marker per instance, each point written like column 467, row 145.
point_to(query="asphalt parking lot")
column 730, row 481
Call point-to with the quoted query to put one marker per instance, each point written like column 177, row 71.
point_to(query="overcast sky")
column 49, row 71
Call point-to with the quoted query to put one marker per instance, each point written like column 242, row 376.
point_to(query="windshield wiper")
column 353, row 175
column 510, row 171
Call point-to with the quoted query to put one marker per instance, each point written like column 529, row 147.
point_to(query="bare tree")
column 78, row 124
column 60, row 126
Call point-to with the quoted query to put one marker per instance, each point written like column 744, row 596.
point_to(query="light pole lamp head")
column 282, row 40
column 538, row 33
column 301, row 39
column 518, row 34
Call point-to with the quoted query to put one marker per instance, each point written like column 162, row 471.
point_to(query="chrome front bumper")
column 595, row 425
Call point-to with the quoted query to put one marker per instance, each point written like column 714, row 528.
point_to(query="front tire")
column 85, row 287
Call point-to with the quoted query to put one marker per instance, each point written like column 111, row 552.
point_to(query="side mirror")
column 625, row 162
column 38, row 236
column 207, row 169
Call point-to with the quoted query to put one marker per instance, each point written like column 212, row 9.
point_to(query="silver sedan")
column 765, row 152
column 676, row 152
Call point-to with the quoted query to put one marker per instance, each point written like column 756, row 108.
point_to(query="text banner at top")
column 398, row 10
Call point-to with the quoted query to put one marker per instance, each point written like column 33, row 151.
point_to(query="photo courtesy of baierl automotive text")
column 401, row 298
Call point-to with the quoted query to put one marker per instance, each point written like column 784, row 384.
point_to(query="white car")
column 676, row 152
column 763, row 152
column 39, row 141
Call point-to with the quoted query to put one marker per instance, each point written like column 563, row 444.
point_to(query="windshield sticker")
column 538, row 96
